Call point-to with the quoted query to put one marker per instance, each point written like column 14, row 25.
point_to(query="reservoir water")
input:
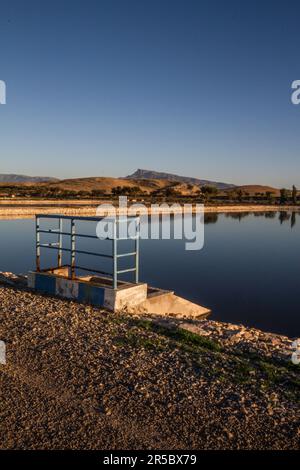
column 247, row 272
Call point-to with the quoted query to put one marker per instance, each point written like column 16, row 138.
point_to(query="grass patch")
column 136, row 340
column 243, row 371
column 181, row 336
column 145, row 324
column 281, row 376
column 238, row 367
column 272, row 373
column 189, row 338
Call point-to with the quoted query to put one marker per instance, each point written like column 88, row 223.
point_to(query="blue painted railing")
column 114, row 255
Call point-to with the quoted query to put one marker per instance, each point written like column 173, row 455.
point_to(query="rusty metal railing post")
column 137, row 248
column 115, row 254
column 59, row 256
column 73, row 248
column 37, row 238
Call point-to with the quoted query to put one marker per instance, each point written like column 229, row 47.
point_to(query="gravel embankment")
column 79, row 378
column 27, row 208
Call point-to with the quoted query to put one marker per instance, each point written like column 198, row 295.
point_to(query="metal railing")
column 60, row 231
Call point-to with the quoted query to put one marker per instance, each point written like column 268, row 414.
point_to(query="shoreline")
column 237, row 336
column 218, row 329
column 28, row 209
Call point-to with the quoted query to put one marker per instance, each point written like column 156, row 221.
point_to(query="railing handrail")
column 118, row 218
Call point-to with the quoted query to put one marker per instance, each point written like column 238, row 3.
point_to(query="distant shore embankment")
column 29, row 208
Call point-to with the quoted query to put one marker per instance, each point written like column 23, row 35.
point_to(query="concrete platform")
column 88, row 289
column 169, row 304
column 128, row 297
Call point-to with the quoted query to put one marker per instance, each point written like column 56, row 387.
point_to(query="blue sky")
column 198, row 88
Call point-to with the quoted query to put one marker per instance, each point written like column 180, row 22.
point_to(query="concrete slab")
column 128, row 297
column 169, row 304
column 89, row 289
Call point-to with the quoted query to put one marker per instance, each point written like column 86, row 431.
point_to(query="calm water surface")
column 248, row 270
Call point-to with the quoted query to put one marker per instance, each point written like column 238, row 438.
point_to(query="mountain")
column 156, row 185
column 149, row 174
column 4, row 178
column 107, row 185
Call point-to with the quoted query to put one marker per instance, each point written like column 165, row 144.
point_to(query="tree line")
column 206, row 193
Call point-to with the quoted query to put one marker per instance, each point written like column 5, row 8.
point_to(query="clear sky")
column 199, row 88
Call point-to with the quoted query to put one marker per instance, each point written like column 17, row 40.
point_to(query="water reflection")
column 237, row 215
column 211, row 217
column 270, row 215
column 283, row 216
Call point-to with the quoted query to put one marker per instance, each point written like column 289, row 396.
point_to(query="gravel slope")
column 22, row 209
column 80, row 378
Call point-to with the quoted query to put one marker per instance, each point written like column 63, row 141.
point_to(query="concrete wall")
column 102, row 296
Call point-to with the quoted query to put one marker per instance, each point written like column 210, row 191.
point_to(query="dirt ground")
column 78, row 377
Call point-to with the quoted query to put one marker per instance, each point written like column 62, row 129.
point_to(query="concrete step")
column 169, row 304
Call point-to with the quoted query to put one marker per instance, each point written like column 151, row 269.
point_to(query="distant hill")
column 253, row 189
column 4, row 178
column 150, row 185
column 102, row 183
column 146, row 181
column 149, row 174
column 107, row 184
